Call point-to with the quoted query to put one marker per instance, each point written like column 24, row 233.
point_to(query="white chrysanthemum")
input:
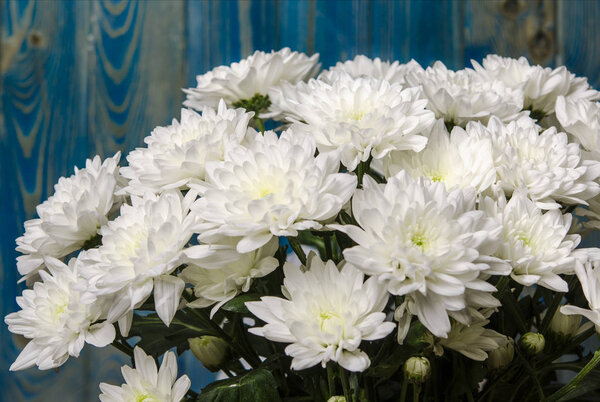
column 462, row 96
column 541, row 86
column 545, row 164
column 363, row 117
column 457, row 160
column 581, row 119
column 327, row 314
column 253, row 75
column 275, row 187
column 139, row 251
column 424, row 243
column 362, row 66
column 70, row 217
column 58, row 319
column 177, row 154
column 588, row 273
column 219, row 273
column 536, row 244
column 472, row 341
column 145, row 383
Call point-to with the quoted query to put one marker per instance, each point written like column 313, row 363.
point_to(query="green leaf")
column 256, row 385
column 238, row 303
column 157, row 338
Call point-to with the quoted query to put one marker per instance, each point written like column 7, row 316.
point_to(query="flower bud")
column 210, row 350
column 532, row 344
column 501, row 357
column 337, row 398
column 417, row 369
column 564, row 326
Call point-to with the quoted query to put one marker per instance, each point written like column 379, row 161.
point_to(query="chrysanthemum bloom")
column 423, row 243
column 588, row 273
column 177, row 154
column 327, row 314
column 219, row 273
column 251, row 76
column 70, row 217
column 550, row 168
column 537, row 245
column 57, row 318
column 364, row 67
column 457, row 160
column 139, row 251
column 472, row 341
column 363, row 117
column 273, row 187
column 462, row 96
column 581, row 119
column 145, row 383
column 541, row 86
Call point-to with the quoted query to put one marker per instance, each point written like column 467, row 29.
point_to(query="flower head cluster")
column 362, row 66
column 139, row 251
column 541, row 86
column 73, row 215
column 462, row 96
column 545, row 164
column 57, row 318
column 274, row 187
column 423, row 243
column 457, row 160
column 329, row 311
column 362, row 117
column 177, row 155
column 146, row 383
column 253, row 75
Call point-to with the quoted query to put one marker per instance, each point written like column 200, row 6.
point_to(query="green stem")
column 259, row 124
column 578, row 340
column 327, row 241
column 297, row 247
column 330, row 379
column 532, row 374
column 363, row 167
column 512, row 306
column 572, row 385
column 416, row 391
column 554, row 304
column 403, row 390
column 502, row 284
column 125, row 349
column 345, row 385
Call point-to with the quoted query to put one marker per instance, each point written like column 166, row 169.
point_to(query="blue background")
column 79, row 78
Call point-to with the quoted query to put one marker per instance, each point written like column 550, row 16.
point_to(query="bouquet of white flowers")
column 401, row 229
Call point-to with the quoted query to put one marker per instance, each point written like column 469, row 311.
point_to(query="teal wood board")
column 80, row 78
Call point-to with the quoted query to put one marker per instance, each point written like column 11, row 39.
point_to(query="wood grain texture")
column 511, row 28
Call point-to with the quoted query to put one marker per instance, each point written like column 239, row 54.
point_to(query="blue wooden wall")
column 79, row 78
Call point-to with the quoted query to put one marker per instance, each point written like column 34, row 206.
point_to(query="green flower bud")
column 417, row 369
column 564, row 326
column 501, row 357
column 210, row 350
column 532, row 344
column 337, row 399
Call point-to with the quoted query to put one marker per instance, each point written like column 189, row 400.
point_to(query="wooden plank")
column 136, row 71
column 39, row 138
column 578, row 38
column 511, row 28
column 426, row 31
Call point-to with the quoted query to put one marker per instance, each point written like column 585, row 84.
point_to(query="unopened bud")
column 564, row 326
column 417, row 369
column 532, row 344
column 501, row 357
column 337, row 398
column 210, row 350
